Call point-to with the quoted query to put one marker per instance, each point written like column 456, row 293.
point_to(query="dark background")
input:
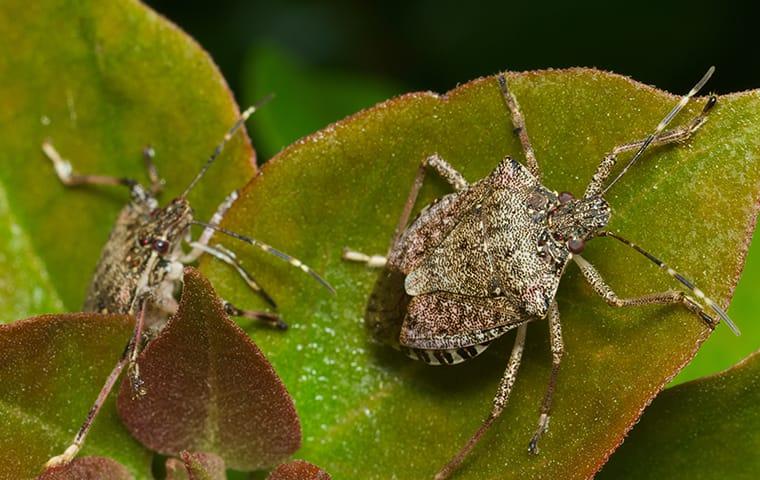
column 434, row 45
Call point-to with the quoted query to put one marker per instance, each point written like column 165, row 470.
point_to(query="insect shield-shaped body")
column 141, row 266
column 489, row 257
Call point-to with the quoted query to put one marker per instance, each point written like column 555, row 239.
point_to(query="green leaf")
column 705, row 429
column 88, row 468
column 368, row 411
column 306, row 98
column 51, row 369
column 101, row 80
column 723, row 349
column 210, row 389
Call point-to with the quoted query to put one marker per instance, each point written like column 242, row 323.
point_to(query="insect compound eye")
column 144, row 241
column 576, row 245
column 565, row 197
column 161, row 246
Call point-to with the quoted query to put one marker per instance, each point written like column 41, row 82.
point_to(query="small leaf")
column 195, row 466
column 88, row 468
column 101, row 80
column 51, row 369
column 692, row 205
column 210, row 389
column 708, row 428
column 298, row 470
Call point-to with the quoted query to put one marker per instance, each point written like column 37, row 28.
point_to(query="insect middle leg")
column 72, row 450
column 499, row 402
column 518, row 122
column 676, row 135
column 446, row 171
column 599, row 285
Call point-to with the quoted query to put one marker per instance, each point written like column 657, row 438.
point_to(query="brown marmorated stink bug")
column 141, row 266
column 488, row 258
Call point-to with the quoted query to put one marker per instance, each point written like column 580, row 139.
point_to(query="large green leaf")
column 705, row 429
column 51, row 369
column 367, row 411
column 101, row 80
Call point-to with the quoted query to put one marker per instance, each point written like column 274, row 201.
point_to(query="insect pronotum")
column 488, row 258
column 141, row 266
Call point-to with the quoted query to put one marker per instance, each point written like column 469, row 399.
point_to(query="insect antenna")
column 664, row 123
column 687, row 283
column 218, row 150
column 271, row 250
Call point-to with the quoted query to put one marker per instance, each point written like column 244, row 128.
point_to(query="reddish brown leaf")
column 210, row 389
column 298, row 470
column 195, row 466
column 88, row 468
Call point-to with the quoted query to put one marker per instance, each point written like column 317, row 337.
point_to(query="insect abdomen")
column 445, row 357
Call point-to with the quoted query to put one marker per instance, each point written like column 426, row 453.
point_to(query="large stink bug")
column 141, row 266
column 489, row 257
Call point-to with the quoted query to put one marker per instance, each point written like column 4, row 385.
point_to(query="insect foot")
column 488, row 258
column 141, row 266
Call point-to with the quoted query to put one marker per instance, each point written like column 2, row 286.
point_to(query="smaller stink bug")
column 489, row 257
column 141, row 266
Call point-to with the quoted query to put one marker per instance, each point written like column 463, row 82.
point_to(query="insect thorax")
column 143, row 244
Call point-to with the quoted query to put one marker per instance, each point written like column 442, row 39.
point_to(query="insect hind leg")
column 499, row 402
column 557, row 348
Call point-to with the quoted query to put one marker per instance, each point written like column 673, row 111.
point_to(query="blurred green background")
column 326, row 60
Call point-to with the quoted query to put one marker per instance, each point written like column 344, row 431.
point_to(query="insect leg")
column 558, row 348
column 445, row 170
column 676, row 135
column 208, row 232
column 518, row 122
column 499, row 402
column 72, row 450
column 599, row 285
column 69, row 178
column 156, row 182
column 271, row 319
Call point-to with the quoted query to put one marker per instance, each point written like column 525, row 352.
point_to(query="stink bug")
column 141, row 266
column 489, row 257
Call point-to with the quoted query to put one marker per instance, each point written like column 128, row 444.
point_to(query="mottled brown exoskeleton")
column 141, row 266
column 488, row 259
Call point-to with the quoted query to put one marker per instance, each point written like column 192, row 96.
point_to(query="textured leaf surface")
column 210, row 389
column 101, row 80
column 51, row 370
column 88, row 468
column 298, row 470
column 705, row 429
column 368, row 412
column 195, row 466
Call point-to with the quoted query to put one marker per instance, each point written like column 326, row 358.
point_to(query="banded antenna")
column 271, row 250
column 687, row 283
column 661, row 126
column 218, row 150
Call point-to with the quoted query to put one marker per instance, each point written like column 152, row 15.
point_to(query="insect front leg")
column 68, row 177
column 499, row 402
column 599, row 285
column 446, row 171
column 557, row 348
column 676, row 135
column 156, row 182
